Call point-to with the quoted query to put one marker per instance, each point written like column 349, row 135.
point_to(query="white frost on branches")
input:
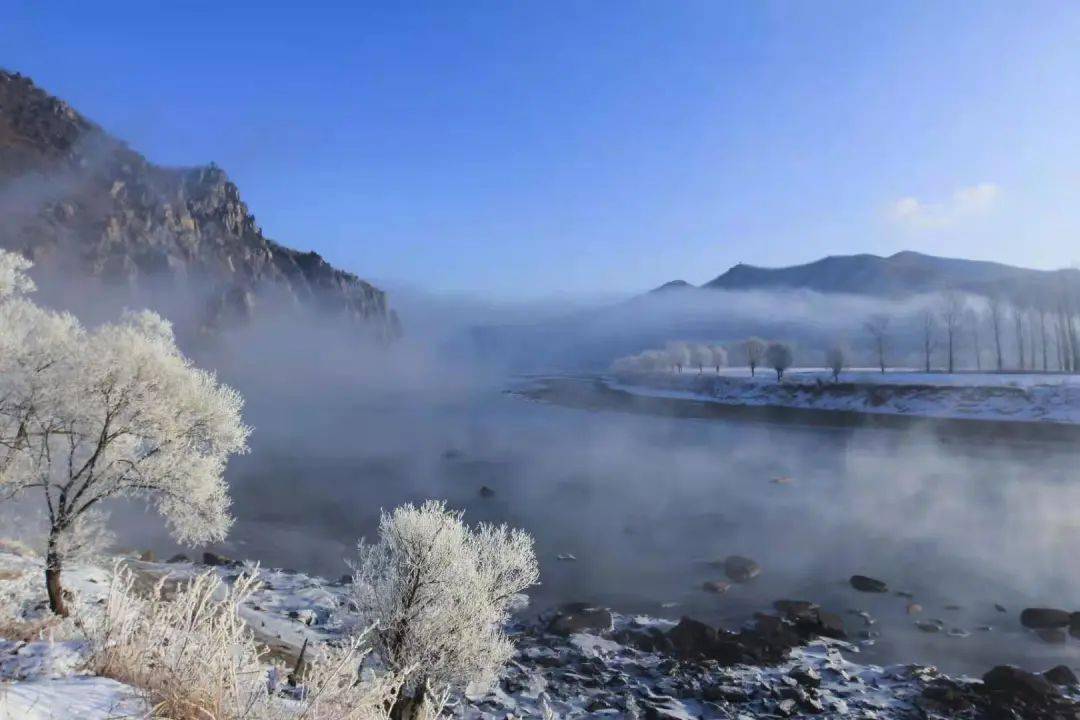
column 116, row 411
column 439, row 593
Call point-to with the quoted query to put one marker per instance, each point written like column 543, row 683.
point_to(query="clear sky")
column 529, row 149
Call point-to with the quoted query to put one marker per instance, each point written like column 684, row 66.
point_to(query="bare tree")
column 997, row 317
column 1043, row 336
column 1018, row 321
column 877, row 326
column 974, row 317
column 834, row 360
column 755, row 351
column 929, row 332
column 952, row 311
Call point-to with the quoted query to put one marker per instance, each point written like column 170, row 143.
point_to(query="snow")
column 1029, row 397
column 83, row 697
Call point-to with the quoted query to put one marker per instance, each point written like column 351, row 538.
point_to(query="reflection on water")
column 644, row 503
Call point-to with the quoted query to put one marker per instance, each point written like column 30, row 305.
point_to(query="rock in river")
column 862, row 583
column 1061, row 675
column 741, row 569
column 1044, row 618
column 580, row 617
column 718, row 587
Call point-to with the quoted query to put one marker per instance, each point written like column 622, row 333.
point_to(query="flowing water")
column 645, row 502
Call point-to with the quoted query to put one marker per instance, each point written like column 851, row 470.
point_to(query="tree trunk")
column 1042, row 333
column 53, row 564
column 408, row 706
column 997, row 343
column 1019, row 340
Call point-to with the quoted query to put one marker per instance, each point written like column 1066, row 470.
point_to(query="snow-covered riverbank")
column 971, row 396
column 575, row 662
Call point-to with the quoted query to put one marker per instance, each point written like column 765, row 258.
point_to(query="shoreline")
column 594, row 392
column 586, row 661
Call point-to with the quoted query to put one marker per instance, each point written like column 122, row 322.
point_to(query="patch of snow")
column 82, row 697
column 1015, row 398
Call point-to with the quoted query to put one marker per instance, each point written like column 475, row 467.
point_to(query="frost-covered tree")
column 117, row 411
column 754, row 349
column 719, row 357
column 439, row 593
column 835, row 361
column 678, row 354
column 779, row 357
column 700, row 356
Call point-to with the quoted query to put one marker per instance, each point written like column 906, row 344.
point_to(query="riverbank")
column 1017, row 412
column 577, row 661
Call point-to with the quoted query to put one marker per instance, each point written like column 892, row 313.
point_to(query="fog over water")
column 645, row 502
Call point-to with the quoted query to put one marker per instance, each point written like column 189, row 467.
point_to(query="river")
column 644, row 502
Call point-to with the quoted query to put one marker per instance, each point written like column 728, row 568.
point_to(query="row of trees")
column 88, row 415
column 676, row 356
column 960, row 330
column 955, row 331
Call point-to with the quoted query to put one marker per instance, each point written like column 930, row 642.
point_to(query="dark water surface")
column 644, row 502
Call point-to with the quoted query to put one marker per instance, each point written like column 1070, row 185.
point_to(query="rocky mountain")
column 902, row 274
column 81, row 204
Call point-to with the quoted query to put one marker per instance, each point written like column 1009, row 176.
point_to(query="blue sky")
column 531, row 149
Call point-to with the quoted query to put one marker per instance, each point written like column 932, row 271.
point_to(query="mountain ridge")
column 901, row 274
column 75, row 198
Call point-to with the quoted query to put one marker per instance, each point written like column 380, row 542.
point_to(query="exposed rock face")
column 74, row 198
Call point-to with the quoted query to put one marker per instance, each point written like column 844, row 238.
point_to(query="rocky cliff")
column 77, row 200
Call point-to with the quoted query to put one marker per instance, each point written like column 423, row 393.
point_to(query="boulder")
column 179, row 558
column 1010, row 681
column 718, row 587
column 148, row 556
column 806, row 676
column 1074, row 625
column 794, row 608
column 1061, row 675
column 1044, row 618
column 862, row 583
column 215, row 560
column 580, row 618
column 741, row 569
column 928, row 626
column 1054, row 636
column 693, row 638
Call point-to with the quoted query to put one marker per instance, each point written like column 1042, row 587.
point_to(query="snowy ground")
column 614, row 666
column 1018, row 397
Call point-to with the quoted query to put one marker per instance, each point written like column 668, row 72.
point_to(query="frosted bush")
column 194, row 658
column 439, row 595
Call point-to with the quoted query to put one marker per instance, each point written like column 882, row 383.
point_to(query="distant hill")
column 903, row 274
column 84, row 206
